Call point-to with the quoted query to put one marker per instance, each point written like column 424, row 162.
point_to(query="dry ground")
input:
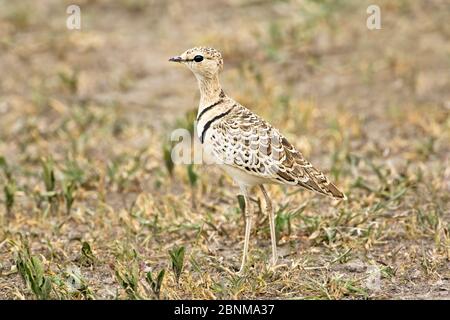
column 87, row 115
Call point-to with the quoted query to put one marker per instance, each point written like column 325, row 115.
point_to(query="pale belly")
column 239, row 176
column 243, row 178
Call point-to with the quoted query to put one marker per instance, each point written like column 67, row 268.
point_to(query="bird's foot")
column 273, row 264
column 241, row 271
column 273, row 261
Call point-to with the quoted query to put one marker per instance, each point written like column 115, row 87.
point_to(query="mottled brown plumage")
column 245, row 145
column 244, row 140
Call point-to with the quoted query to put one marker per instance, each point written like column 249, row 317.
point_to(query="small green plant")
column 48, row 175
column 167, row 153
column 128, row 279
column 87, row 256
column 9, row 189
column 241, row 202
column 155, row 284
column 69, row 188
column 74, row 172
column 193, row 177
column 177, row 260
column 10, row 186
column 283, row 219
column 69, row 80
column 112, row 170
column 5, row 167
column 32, row 272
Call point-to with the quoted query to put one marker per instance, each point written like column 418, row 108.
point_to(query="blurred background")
column 85, row 117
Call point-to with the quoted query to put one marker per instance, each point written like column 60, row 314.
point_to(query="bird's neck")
column 210, row 91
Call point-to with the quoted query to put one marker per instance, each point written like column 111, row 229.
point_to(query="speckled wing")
column 244, row 140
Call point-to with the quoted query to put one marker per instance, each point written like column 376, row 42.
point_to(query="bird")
column 246, row 146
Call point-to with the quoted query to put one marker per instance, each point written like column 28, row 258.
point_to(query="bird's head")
column 203, row 62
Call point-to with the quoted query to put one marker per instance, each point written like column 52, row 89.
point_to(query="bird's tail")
column 334, row 192
column 319, row 183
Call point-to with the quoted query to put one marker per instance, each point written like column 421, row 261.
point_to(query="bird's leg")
column 248, row 226
column 269, row 209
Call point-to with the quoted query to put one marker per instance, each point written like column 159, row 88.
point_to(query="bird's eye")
column 198, row 58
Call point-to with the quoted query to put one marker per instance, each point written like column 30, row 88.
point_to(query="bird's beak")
column 176, row 59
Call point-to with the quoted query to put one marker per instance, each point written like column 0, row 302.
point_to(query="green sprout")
column 155, row 284
column 177, row 259
column 69, row 188
column 32, row 272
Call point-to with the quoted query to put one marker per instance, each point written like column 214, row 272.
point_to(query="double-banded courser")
column 246, row 146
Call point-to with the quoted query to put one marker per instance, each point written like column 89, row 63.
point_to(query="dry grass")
column 89, row 209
